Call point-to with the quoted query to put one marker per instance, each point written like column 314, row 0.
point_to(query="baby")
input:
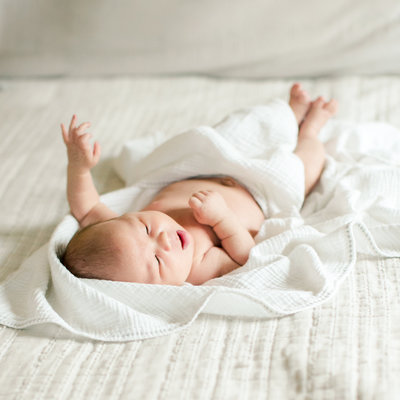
column 192, row 231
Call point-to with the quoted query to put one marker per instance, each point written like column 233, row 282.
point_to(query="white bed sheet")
column 347, row 348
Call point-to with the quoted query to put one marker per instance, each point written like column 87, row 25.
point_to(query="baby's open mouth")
column 183, row 237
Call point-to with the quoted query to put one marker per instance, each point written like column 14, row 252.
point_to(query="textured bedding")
column 348, row 347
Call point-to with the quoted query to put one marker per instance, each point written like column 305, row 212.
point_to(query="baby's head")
column 143, row 247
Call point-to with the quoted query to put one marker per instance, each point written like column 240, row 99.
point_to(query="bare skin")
column 299, row 102
column 193, row 230
column 311, row 117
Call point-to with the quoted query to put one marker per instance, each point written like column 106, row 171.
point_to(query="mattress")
column 347, row 348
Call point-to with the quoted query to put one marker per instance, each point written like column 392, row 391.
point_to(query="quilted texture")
column 347, row 348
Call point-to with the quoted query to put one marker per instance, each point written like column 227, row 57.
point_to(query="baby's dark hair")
column 88, row 255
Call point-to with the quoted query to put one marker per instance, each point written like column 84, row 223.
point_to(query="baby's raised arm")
column 83, row 198
column 209, row 208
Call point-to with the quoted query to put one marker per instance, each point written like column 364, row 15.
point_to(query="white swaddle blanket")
column 301, row 254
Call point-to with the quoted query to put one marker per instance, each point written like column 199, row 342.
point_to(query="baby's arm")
column 83, row 199
column 209, row 208
column 215, row 263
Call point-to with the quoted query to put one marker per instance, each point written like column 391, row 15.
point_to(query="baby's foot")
column 318, row 115
column 299, row 102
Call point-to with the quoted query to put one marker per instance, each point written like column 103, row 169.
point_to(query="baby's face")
column 152, row 247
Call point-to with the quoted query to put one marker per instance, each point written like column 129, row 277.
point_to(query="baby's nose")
column 164, row 241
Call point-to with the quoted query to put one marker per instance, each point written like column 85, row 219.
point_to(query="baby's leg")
column 299, row 102
column 319, row 114
column 309, row 148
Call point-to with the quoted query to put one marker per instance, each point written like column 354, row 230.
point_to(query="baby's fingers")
column 64, row 134
column 84, row 139
column 96, row 152
column 79, row 130
column 72, row 123
column 195, row 202
column 198, row 196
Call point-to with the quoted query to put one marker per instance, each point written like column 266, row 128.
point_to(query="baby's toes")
column 318, row 103
column 331, row 106
column 295, row 89
column 298, row 93
column 315, row 109
column 299, row 102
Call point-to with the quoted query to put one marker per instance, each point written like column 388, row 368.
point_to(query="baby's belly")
column 239, row 200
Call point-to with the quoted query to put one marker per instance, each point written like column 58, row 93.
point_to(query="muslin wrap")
column 303, row 251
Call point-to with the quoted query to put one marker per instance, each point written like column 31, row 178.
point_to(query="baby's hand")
column 81, row 156
column 209, row 207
